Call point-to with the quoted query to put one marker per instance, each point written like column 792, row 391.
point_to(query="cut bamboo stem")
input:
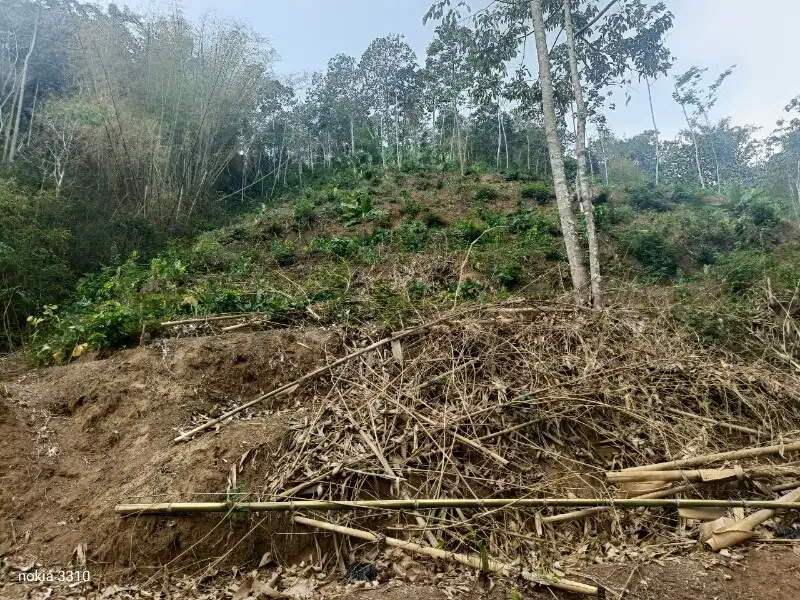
column 290, row 387
column 292, row 505
column 696, row 461
column 785, row 486
column 711, row 421
column 213, row 318
column 474, row 562
column 699, row 475
column 588, row 512
column 741, row 531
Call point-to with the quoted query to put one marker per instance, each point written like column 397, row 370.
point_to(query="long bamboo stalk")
column 290, row 387
column 699, row 475
column 587, row 512
column 696, row 461
column 474, row 562
column 210, row 319
column 293, row 505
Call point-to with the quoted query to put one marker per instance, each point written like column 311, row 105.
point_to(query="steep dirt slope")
column 76, row 440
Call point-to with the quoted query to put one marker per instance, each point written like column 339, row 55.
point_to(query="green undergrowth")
column 387, row 249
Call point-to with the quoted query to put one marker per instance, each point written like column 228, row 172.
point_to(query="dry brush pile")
column 524, row 403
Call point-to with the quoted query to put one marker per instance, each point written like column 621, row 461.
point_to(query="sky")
column 759, row 37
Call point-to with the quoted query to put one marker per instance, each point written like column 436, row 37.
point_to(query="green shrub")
column 282, row 251
column 413, row 235
column 652, row 250
column 467, row 231
column 701, row 233
column 486, row 193
column 741, row 270
column 434, row 221
column 543, row 193
column 33, row 257
column 607, row 215
column 647, row 196
column 411, row 208
column 343, row 247
column 303, row 214
column 507, row 274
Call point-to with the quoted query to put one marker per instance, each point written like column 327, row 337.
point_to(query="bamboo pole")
column 588, row 512
column 709, row 458
column 213, row 318
column 293, row 505
column 699, row 475
column 472, row 561
column 290, row 387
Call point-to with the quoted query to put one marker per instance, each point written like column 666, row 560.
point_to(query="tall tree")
column 574, row 254
column 580, row 150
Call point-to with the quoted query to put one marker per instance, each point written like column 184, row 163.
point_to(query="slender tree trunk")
column 9, row 130
column 528, row 149
column 499, row 138
column 605, row 156
column 580, row 150
column 574, row 254
column 694, row 142
column 713, row 152
column 33, row 113
column 505, row 143
column 18, row 119
column 655, row 127
column 397, row 130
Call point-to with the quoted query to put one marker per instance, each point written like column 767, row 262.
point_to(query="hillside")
column 386, row 250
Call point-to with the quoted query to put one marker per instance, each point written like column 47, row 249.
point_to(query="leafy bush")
column 411, row 208
column 648, row 196
column 741, row 270
column 652, row 249
column 606, row 215
column 343, row 247
column 541, row 192
column 701, row 233
column 282, row 251
column 33, row 258
column 507, row 274
column 303, row 214
column 486, row 193
column 467, row 231
column 434, row 221
column 413, row 235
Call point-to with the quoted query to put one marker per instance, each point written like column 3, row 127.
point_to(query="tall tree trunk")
column 580, row 150
column 9, row 130
column 21, row 98
column 694, row 142
column 605, row 155
column 397, row 130
column 574, row 254
column 528, row 147
column 655, row 127
column 499, row 138
column 505, row 142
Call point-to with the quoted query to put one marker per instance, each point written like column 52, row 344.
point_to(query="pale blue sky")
column 760, row 37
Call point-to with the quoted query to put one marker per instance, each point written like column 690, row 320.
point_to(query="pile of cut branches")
column 532, row 402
